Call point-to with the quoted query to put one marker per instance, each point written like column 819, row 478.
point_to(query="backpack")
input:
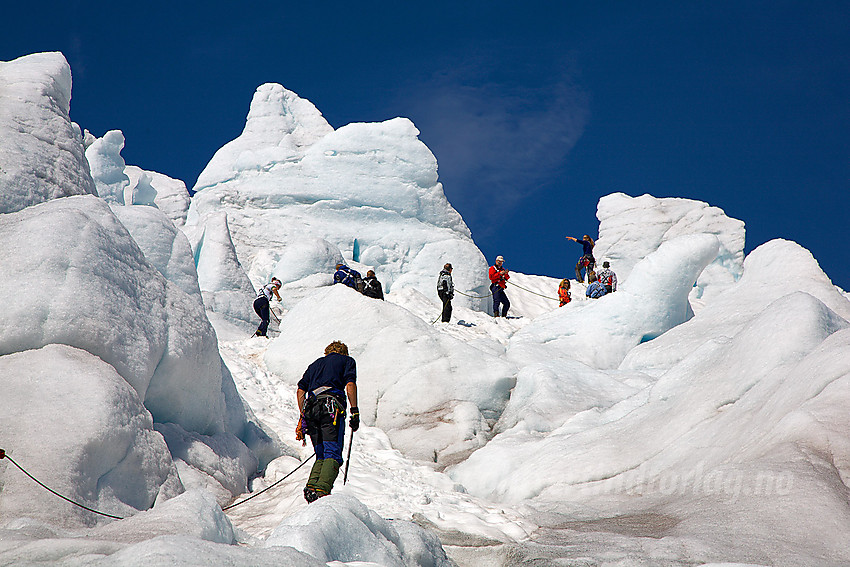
column 596, row 291
column 349, row 277
column 359, row 284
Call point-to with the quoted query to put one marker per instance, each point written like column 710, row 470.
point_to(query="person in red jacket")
column 498, row 281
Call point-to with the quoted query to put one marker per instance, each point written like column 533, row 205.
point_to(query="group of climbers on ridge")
column 599, row 284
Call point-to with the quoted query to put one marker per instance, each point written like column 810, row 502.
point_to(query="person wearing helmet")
column 498, row 282
column 261, row 305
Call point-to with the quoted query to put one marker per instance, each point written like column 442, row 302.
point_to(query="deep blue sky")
column 533, row 109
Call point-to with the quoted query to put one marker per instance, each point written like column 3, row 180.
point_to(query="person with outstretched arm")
column 321, row 397
column 587, row 261
column 261, row 306
column 498, row 282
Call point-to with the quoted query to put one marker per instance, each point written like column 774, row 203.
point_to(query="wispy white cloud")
column 499, row 128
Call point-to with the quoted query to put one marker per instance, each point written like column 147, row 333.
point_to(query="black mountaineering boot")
column 310, row 495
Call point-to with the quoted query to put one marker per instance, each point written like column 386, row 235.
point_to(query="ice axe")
column 348, row 457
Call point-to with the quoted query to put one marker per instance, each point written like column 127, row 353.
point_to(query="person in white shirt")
column 607, row 277
column 261, row 305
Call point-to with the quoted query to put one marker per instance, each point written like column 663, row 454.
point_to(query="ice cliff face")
column 102, row 310
column 630, row 228
column 43, row 155
column 367, row 193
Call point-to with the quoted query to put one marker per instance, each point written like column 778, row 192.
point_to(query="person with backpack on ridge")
column 607, row 277
column 564, row 292
column 446, row 292
column 349, row 277
column 595, row 290
column 261, row 305
column 587, row 261
column 372, row 287
column 498, row 282
column 321, row 397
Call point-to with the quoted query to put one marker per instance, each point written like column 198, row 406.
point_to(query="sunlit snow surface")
column 698, row 416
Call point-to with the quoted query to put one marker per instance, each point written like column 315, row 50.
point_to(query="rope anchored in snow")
column 304, row 462
column 534, row 292
column 4, row 455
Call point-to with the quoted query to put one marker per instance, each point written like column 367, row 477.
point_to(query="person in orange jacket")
column 564, row 292
column 498, row 282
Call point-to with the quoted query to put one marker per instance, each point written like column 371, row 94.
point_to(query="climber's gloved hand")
column 354, row 420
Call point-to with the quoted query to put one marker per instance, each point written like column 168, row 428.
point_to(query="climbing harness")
column 3, row 455
column 304, row 462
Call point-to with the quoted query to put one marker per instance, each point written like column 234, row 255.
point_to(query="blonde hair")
column 565, row 283
column 337, row 347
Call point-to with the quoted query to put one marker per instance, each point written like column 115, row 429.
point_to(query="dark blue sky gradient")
column 534, row 109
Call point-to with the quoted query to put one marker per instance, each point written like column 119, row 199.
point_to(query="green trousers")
column 322, row 476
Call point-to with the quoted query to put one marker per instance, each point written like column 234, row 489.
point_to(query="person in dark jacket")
column 321, row 396
column 261, row 305
column 587, row 261
column 498, row 282
column 372, row 287
column 446, row 292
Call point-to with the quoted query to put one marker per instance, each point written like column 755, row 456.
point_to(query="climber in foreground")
column 321, row 396
column 587, row 261
column 446, row 291
column 498, row 281
column 261, row 305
